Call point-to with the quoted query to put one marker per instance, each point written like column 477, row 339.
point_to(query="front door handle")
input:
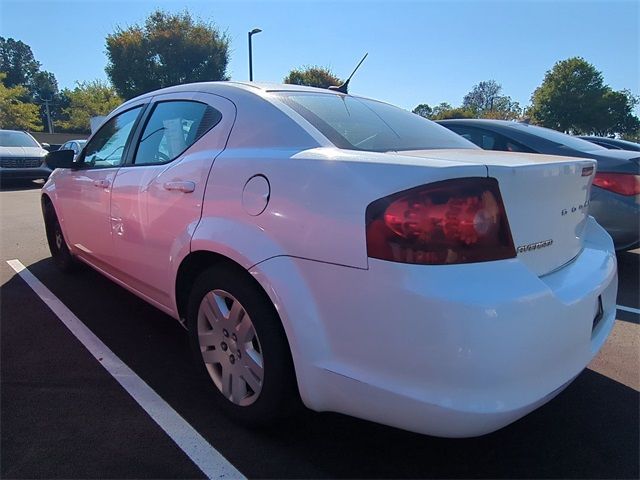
column 101, row 183
column 185, row 187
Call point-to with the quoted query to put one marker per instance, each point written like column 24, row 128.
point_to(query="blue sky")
column 419, row 51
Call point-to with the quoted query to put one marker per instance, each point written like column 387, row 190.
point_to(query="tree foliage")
column 86, row 100
column 14, row 113
column 424, row 110
column 169, row 49
column 21, row 68
column 442, row 111
column 573, row 98
column 17, row 62
column 313, row 76
column 485, row 101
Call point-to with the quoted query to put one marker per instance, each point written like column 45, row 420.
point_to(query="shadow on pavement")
column 7, row 185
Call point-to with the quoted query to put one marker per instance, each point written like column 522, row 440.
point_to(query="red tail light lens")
column 622, row 183
column 453, row 221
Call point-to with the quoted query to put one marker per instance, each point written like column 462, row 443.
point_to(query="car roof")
column 237, row 87
column 484, row 122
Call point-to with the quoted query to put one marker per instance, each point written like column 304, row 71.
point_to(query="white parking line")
column 207, row 458
column 628, row 309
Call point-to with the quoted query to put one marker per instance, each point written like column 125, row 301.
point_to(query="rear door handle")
column 185, row 187
column 101, row 183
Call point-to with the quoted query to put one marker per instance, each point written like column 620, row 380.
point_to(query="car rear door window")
column 172, row 127
column 489, row 140
column 107, row 147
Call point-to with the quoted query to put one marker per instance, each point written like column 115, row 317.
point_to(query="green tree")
column 443, row 111
column 169, row 49
column 14, row 113
column 573, row 98
column 485, row 101
column 459, row 112
column 313, row 76
column 86, row 100
column 424, row 110
column 17, row 62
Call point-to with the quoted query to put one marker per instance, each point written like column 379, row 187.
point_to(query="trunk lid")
column 546, row 199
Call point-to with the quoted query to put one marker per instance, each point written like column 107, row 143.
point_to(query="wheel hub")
column 230, row 347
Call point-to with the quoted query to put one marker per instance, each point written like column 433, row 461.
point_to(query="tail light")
column 454, row 221
column 622, row 183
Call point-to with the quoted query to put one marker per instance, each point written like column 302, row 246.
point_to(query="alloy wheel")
column 230, row 347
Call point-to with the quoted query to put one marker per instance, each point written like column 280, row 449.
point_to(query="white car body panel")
column 450, row 350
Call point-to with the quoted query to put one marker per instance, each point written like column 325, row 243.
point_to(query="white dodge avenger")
column 335, row 249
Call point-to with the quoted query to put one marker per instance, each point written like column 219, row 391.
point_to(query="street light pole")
column 252, row 32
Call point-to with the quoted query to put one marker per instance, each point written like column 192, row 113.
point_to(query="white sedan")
column 342, row 251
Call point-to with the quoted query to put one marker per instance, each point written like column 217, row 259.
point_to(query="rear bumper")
column 452, row 351
column 33, row 173
column 619, row 215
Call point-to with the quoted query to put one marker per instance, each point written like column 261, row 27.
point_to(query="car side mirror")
column 45, row 145
column 60, row 159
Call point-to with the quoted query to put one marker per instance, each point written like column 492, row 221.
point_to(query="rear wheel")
column 240, row 347
column 60, row 253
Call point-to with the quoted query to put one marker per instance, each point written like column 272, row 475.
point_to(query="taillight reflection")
column 454, row 221
column 622, row 183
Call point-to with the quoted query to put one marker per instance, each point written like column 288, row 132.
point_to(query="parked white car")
column 342, row 250
column 21, row 157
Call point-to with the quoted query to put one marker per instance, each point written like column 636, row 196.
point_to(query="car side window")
column 488, row 140
column 106, row 148
column 495, row 141
column 172, row 127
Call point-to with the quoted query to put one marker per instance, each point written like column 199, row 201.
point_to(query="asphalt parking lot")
column 63, row 415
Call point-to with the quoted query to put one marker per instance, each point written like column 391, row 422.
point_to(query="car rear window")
column 559, row 138
column 16, row 139
column 360, row 124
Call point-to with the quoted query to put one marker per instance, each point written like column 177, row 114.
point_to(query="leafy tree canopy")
column 169, row 49
column 14, row 113
column 442, row 111
column 313, row 76
column 573, row 98
column 485, row 101
column 86, row 100
column 424, row 110
column 17, row 62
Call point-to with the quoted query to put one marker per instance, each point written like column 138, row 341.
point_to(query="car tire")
column 222, row 301
column 60, row 253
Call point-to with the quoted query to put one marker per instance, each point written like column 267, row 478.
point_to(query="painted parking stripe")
column 628, row 309
column 207, row 458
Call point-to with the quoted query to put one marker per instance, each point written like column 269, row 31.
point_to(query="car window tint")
column 174, row 126
column 9, row 138
column 360, row 124
column 489, row 140
column 106, row 148
column 558, row 138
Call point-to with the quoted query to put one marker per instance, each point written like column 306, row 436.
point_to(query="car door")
column 83, row 194
column 156, row 199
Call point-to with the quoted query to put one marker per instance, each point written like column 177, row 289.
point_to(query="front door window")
column 106, row 149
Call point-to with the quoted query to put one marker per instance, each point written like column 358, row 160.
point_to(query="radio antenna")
column 345, row 86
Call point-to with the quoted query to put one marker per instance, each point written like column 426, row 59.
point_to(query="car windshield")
column 359, row 124
column 558, row 137
column 16, row 139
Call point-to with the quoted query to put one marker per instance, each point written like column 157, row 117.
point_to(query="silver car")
column 21, row 157
column 75, row 145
